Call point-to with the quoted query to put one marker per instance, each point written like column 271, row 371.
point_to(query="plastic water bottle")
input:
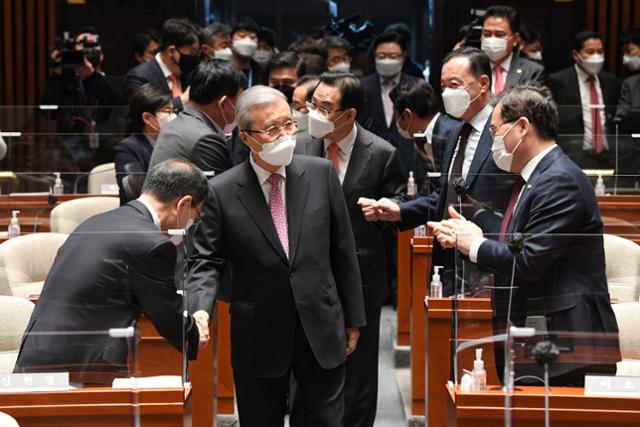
column 412, row 188
column 14, row 226
column 479, row 374
column 435, row 289
column 58, row 187
column 600, row 188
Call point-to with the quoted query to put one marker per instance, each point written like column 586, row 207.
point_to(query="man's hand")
column 202, row 322
column 387, row 210
column 368, row 208
column 455, row 232
column 185, row 96
column 352, row 339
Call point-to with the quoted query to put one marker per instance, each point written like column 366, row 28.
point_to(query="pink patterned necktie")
column 278, row 213
column 499, row 84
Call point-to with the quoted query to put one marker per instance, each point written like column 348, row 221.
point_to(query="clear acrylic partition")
column 102, row 327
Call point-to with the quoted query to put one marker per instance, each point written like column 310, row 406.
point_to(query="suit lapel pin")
column 529, row 186
column 519, row 71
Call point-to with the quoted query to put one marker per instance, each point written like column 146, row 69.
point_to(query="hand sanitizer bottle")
column 58, row 187
column 14, row 227
column 412, row 188
column 600, row 189
column 435, row 290
column 478, row 375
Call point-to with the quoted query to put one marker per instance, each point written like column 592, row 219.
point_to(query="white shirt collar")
column 346, row 143
column 264, row 174
column 428, row 132
column 506, row 64
column 152, row 211
column 165, row 70
column 528, row 169
column 582, row 76
column 480, row 119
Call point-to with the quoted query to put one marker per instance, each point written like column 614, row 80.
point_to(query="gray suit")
column 193, row 136
column 523, row 70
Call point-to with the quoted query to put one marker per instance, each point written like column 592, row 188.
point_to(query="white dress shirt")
column 263, row 175
column 166, row 71
column 526, row 172
column 477, row 123
column 386, row 99
column 585, row 100
column 154, row 214
column 428, row 133
column 344, row 154
column 506, row 65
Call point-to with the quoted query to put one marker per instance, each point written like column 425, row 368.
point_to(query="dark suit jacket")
column 193, row 136
column 374, row 172
column 372, row 118
column 114, row 267
column 443, row 126
column 150, row 72
column 319, row 282
column 132, row 157
column 566, row 93
column 560, row 272
column 628, row 112
column 523, row 70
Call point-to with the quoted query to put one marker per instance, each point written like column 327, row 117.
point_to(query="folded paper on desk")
column 159, row 381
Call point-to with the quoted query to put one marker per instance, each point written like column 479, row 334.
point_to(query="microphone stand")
column 545, row 353
column 461, row 188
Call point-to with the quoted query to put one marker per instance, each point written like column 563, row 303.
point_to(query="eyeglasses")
column 311, row 106
column 493, row 129
column 272, row 131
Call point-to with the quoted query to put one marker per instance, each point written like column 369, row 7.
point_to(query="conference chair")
column 628, row 317
column 15, row 313
column 68, row 215
column 25, row 262
column 104, row 174
column 622, row 258
column 7, row 420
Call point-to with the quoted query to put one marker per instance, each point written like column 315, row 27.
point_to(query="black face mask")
column 188, row 63
column 287, row 91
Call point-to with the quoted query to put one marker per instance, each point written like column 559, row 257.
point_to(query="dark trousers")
column 319, row 399
column 361, row 383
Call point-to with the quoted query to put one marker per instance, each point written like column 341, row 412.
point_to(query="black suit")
column 523, row 70
column 566, row 92
column 132, row 157
column 560, row 272
column 443, row 125
column 488, row 194
column 374, row 171
column 287, row 314
column 150, row 72
column 628, row 120
column 111, row 269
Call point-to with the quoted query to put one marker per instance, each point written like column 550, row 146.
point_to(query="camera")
column 71, row 56
column 473, row 30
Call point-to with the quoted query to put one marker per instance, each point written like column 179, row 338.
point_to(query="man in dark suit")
column 415, row 108
column 244, row 39
column 369, row 168
column 280, row 224
column 150, row 110
column 179, row 54
column 580, row 91
column 377, row 115
column 560, row 270
column 114, row 267
column 628, row 120
column 469, row 175
column 500, row 38
column 199, row 133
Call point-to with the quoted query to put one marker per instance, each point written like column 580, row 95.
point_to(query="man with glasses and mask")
column 279, row 223
column 178, row 55
column 500, row 39
column 369, row 168
column 114, row 267
column 468, row 174
column 199, row 133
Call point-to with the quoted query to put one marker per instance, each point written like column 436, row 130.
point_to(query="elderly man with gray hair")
column 280, row 223
column 556, row 238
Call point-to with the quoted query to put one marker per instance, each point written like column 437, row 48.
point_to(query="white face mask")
column 278, row 152
column 495, row 47
column 319, row 125
column 302, row 119
column 162, row 121
column 536, row 56
column 177, row 236
column 457, row 101
column 228, row 126
column 593, row 64
column 225, row 54
column 499, row 153
column 631, row 62
column 262, row 56
column 403, row 132
column 342, row 67
column 245, row 47
column 388, row 67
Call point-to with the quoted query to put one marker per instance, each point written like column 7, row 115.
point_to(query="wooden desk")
column 475, row 320
column 621, row 216
column 569, row 408
column 421, row 248
column 404, row 287
column 99, row 407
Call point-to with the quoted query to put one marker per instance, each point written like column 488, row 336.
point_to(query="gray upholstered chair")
column 101, row 175
column 622, row 258
column 68, row 215
column 15, row 313
column 7, row 420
